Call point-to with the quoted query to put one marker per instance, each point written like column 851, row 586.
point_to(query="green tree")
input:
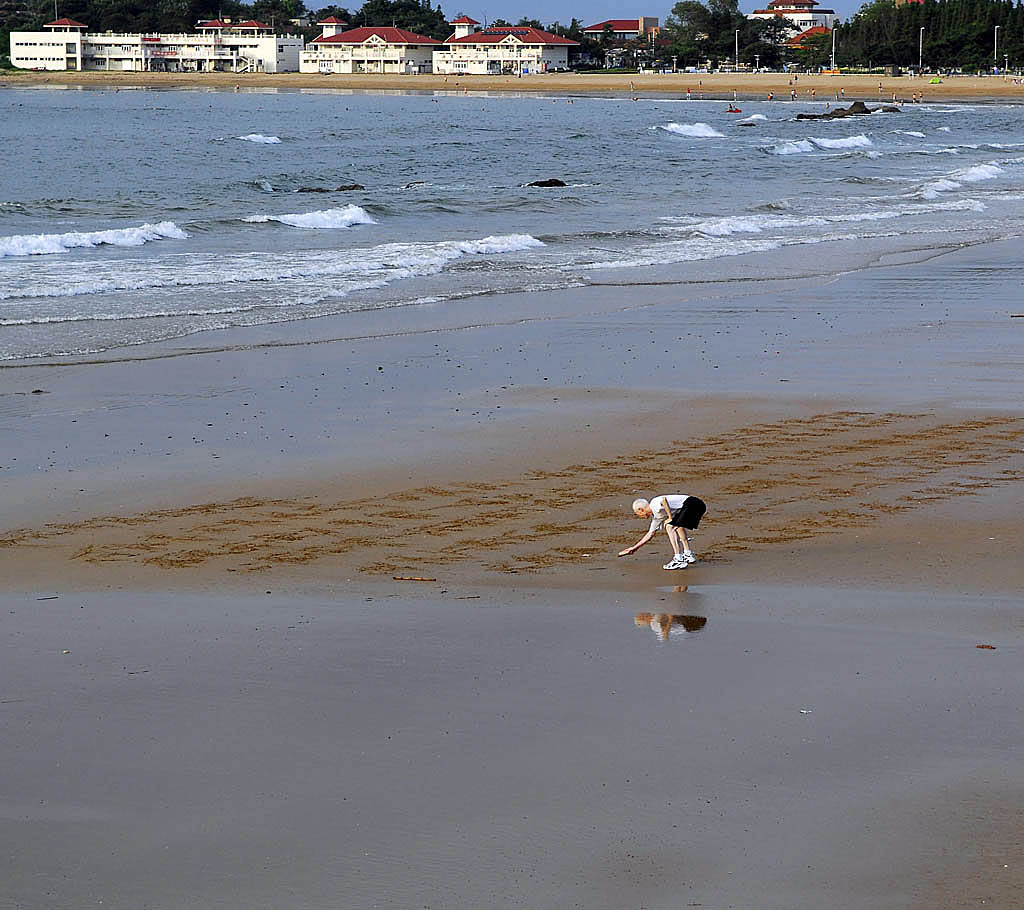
column 415, row 15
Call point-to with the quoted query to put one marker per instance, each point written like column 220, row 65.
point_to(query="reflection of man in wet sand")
column 661, row 623
column 675, row 513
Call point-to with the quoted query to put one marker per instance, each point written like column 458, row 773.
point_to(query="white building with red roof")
column 797, row 41
column 800, row 14
column 215, row 46
column 509, row 50
column 624, row 29
column 367, row 49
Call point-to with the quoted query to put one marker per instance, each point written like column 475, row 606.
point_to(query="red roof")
column 65, row 23
column 524, row 34
column 213, row 23
column 783, row 13
column 811, row 32
column 252, row 23
column 618, row 25
column 332, row 20
column 463, row 20
column 362, row 34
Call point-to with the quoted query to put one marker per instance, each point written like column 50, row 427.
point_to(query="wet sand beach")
column 328, row 614
column 712, row 85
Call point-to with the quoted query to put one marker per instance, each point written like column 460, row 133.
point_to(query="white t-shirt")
column 664, row 506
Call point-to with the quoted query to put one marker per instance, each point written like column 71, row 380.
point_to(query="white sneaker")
column 690, row 558
column 678, row 562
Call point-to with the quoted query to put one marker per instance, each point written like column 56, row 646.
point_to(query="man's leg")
column 673, row 538
column 681, row 544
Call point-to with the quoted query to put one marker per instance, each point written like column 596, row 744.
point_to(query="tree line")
column 957, row 34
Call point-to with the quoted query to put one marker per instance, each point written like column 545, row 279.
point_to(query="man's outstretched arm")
column 638, row 544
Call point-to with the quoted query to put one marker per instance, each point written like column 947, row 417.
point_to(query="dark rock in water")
column 409, row 186
column 855, row 109
column 891, row 109
column 344, row 188
column 554, row 181
column 858, row 107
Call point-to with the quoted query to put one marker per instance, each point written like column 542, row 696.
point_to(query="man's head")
column 642, row 508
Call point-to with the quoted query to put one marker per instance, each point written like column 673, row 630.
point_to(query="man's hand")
column 627, row 552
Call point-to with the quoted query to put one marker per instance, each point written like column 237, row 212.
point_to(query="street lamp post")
column 757, row 63
column 995, row 45
column 833, row 49
column 920, row 50
column 737, row 50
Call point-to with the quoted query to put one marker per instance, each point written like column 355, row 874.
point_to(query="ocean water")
column 136, row 217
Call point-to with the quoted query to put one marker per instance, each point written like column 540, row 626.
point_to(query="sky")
column 588, row 13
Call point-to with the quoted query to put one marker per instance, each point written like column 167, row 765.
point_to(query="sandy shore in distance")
column 713, row 85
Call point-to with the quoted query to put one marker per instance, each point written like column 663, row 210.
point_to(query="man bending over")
column 675, row 512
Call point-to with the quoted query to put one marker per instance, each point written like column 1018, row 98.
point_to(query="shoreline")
column 710, row 86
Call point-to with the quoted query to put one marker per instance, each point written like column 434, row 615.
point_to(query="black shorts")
column 689, row 514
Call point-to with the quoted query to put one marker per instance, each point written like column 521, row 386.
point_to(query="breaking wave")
column 363, row 268
column 343, row 217
column 42, row 244
column 812, row 144
column 260, row 139
column 692, row 130
column 849, row 142
column 957, row 179
column 757, row 224
column 797, row 147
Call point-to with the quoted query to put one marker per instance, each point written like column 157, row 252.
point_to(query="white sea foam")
column 356, row 269
column 812, row 144
column 980, row 172
column 266, row 187
column 260, row 139
column 849, row 142
column 798, row 147
column 753, row 118
column 692, row 130
column 41, row 244
column 757, row 224
column 943, row 129
column 943, row 185
column 957, row 179
column 914, row 133
column 343, row 217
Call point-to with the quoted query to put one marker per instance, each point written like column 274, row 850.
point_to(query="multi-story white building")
column 509, row 50
column 801, row 14
column 367, row 49
column 216, row 46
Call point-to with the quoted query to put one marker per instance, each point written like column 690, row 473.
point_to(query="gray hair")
column 640, row 504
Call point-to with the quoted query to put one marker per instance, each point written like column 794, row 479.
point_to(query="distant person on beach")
column 675, row 513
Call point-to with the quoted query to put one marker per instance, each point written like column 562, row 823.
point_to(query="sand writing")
column 768, row 484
